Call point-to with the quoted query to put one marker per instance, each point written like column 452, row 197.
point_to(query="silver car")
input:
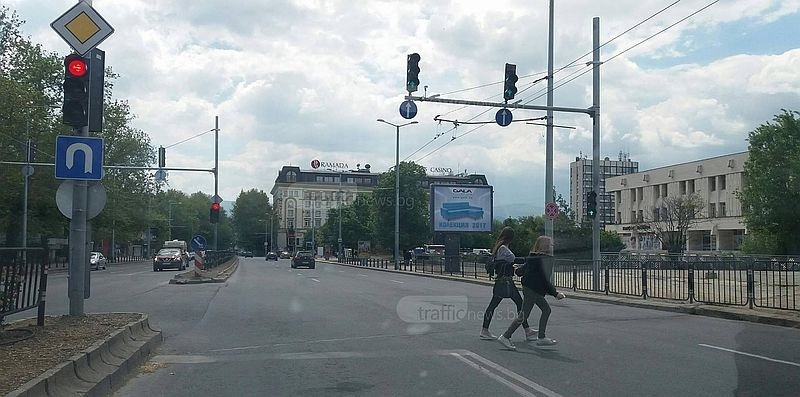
column 97, row 261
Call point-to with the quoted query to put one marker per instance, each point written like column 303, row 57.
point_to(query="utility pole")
column 548, row 178
column 216, row 173
column 596, row 149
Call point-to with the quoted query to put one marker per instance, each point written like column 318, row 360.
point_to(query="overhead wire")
column 589, row 67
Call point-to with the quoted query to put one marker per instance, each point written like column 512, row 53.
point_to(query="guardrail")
column 23, row 281
column 213, row 259
column 767, row 282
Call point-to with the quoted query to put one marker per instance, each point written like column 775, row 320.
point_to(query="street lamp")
column 341, row 192
column 397, row 191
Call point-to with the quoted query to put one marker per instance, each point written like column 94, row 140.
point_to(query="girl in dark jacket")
column 504, row 262
column 535, row 285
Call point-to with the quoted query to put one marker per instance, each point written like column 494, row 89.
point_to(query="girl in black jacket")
column 535, row 285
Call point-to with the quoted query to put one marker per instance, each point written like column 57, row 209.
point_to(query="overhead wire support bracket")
column 590, row 111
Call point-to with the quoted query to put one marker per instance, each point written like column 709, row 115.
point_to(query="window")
column 290, row 223
column 633, row 195
column 655, row 214
column 656, row 192
column 682, row 187
column 291, row 176
column 664, row 214
column 641, row 216
column 640, row 193
column 721, row 182
column 633, row 216
column 290, row 214
column 712, row 210
column 690, row 186
column 721, row 209
column 712, row 183
column 664, row 191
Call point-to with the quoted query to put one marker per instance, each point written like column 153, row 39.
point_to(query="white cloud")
column 296, row 80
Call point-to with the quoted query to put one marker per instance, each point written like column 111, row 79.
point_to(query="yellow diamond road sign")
column 82, row 28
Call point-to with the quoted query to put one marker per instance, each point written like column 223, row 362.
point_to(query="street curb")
column 221, row 277
column 788, row 319
column 101, row 368
column 108, row 266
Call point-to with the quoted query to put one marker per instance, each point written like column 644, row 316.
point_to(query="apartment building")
column 580, row 175
column 639, row 199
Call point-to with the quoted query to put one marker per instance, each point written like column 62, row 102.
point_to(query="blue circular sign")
column 503, row 117
column 198, row 243
column 408, row 109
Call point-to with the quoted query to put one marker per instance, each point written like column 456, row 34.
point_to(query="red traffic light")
column 215, row 207
column 76, row 65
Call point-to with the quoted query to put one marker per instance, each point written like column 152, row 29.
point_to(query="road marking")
column 750, row 355
column 398, row 282
column 341, row 271
column 363, row 275
column 487, row 372
column 306, row 341
column 315, row 280
column 133, row 274
column 462, row 354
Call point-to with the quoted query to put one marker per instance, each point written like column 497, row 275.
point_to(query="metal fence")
column 213, row 259
column 23, row 281
column 768, row 282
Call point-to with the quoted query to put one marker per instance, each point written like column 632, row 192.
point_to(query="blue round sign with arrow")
column 503, row 117
column 408, row 109
column 198, row 243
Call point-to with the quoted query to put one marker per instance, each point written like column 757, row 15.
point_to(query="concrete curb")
column 101, row 368
column 788, row 318
column 221, row 277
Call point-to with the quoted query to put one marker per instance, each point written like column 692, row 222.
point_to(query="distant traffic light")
column 76, row 91
column 162, row 157
column 412, row 72
column 214, row 213
column 591, row 204
column 510, row 81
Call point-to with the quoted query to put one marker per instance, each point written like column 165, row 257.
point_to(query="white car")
column 97, row 261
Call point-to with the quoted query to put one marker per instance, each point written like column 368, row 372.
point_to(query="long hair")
column 543, row 246
column 506, row 235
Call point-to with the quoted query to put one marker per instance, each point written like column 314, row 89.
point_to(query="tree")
column 610, row 242
column 414, row 212
column 676, row 216
column 770, row 196
column 250, row 219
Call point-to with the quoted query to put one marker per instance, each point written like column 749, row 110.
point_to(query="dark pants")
column 531, row 299
column 487, row 317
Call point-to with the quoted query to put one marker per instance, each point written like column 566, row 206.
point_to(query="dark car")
column 303, row 258
column 170, row 258
column 271, row 256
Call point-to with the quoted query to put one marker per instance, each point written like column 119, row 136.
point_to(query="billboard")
column 461, row 208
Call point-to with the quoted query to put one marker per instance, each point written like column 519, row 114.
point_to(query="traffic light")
column 214, row 213
column 510, row 81
column 591, row 204
column 76, row 91
column 412, row 72
column 162, row 157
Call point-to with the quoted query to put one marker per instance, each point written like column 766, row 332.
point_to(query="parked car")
column 98, row 261
column 271, row 256
column 170, row 258
column 303, row 258
column 285, row 255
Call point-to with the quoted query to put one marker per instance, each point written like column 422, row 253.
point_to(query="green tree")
column 770, row 196
column 250, row 219
column 610, row 242
column 414, row 212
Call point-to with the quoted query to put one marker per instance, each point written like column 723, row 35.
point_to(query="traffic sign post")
column 503, row 117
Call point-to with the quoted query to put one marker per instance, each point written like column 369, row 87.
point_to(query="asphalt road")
column 336, row 330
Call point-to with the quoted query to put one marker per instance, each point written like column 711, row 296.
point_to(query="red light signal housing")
column 214, row 216
column 76, row 65
column 215, row 207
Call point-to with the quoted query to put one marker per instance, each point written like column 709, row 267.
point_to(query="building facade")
column 580, row 179
column 639, row 199
column 302, row 198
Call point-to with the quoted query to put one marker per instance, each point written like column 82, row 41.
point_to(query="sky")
column 296, row 80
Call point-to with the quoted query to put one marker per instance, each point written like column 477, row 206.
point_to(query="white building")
column 716, row 180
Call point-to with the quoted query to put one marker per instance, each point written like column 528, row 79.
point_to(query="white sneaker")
column 546, row 342
column 487, row 335
column 531, row 334
column 506, row 343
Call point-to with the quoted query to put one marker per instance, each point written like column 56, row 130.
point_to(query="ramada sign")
column 327, row 164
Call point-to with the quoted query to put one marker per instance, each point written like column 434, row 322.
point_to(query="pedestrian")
column 535, row 285
column 503, row 260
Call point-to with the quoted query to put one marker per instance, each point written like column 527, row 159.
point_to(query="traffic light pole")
column 77, row 243
column 216, row 173
column 596, row 152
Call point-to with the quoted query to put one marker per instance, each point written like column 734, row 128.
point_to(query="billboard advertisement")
column 461, row 208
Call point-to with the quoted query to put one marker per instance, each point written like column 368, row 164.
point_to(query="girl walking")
column 535, row 285
column 503, row 260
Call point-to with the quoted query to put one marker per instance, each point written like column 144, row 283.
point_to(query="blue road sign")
column 408, row 109
column 503, row 117
column 79, row 157
column 198, row 243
